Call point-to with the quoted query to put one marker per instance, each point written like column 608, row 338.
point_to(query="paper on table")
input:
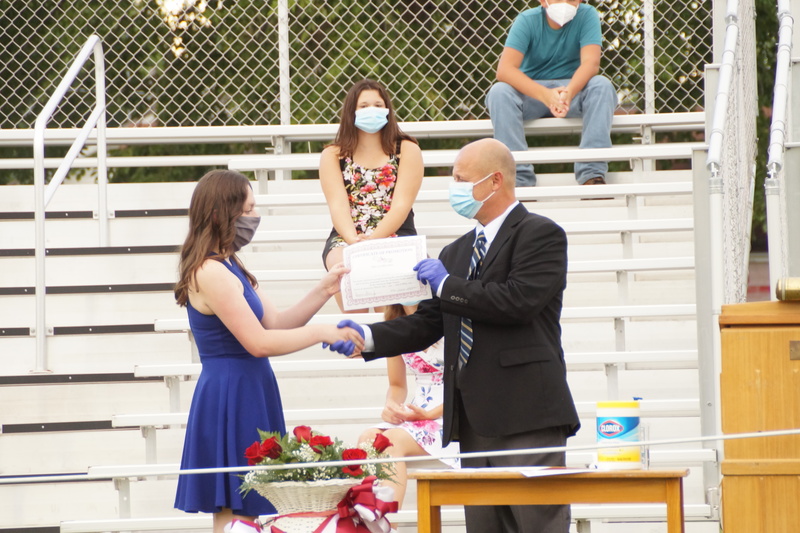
column 381, row 272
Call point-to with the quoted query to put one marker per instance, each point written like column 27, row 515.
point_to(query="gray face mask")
column 245, row 230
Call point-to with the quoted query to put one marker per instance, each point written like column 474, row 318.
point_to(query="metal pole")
column 102, row 150
column 775, row 233
column 774, row 188
column 285, row 81
column 649, row 57
column 707, row 319
column 283, row 62
column 39, row 251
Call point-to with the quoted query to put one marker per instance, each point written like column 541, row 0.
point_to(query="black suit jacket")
column 515, row 380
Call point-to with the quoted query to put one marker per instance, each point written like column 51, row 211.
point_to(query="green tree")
column 766, row 42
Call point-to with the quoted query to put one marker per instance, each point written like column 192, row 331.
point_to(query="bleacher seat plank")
column 654, row 408
column 630, row 123
column 573, row 267
column 616, row 311
column 445, row 158
column 523, row 193
column 357, row 367
column 571, row 228
column 452, row 517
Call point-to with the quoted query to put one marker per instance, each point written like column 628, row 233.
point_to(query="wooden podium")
column 760, row 391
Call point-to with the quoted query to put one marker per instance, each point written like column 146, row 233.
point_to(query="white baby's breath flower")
column 307, row 453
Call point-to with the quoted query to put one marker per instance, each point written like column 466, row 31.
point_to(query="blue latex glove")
column 345, row 347
column 431, row 271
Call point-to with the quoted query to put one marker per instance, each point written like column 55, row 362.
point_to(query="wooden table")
column 488, row 486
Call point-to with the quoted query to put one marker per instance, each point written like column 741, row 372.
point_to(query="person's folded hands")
column 431, row 271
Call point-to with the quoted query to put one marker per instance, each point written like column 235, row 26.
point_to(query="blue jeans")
column 509, row 108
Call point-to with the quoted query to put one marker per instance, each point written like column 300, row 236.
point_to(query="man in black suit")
column 505, row 377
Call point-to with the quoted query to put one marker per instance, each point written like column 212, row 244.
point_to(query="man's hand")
column 346, row 347
column 431, row 271
column 559, row 102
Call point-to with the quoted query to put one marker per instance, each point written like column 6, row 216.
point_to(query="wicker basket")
column 304, row 496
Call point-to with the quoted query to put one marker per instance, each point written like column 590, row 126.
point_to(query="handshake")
column 353, row 344
column 430, row 271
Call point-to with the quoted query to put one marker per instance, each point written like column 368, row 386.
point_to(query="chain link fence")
column 737, row 167
column 249, row 62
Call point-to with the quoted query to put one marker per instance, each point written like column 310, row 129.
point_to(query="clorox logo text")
column 611, row 428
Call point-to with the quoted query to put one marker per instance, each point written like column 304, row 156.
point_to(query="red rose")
column 318, row 442
column 302, row 433
column 253, row 454
column 381, row 442
column 352, row 454
column 270, row 448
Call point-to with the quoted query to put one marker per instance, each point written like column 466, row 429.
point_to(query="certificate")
column 382, row 272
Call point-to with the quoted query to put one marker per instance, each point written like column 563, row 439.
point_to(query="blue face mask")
column 371, row 119
column 461, row 199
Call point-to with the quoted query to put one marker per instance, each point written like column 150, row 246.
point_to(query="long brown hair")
column 347, row 136
column 217, row 201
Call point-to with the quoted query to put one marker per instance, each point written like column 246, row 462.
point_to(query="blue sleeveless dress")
column 236, row 395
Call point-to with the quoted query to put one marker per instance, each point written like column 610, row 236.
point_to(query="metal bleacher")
column 628, row 329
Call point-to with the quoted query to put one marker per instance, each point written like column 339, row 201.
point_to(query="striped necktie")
column 478, row 251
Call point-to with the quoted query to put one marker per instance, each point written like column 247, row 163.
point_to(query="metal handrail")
column 777, row 230
column 43, row 196
column 714, row 155
column 719, row 119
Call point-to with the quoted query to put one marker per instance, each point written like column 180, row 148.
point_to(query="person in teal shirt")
column 550, row 67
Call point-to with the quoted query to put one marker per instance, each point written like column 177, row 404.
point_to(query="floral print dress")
column 369, row 192
column 428, row 369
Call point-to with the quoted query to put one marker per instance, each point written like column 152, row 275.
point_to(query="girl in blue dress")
column 236, row 329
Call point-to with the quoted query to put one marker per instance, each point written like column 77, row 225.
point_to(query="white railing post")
column 649, row 57
column 102, row 147
column 774, row 186
column 42, row 195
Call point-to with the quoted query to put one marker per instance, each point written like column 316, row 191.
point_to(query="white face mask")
column 561, row 13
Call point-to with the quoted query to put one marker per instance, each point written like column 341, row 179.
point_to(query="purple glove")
column 431, row 271
column 345, row 347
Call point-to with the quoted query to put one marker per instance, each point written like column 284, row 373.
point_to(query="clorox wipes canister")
column 618, row 423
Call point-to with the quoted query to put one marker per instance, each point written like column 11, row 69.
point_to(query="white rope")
column 499, row 453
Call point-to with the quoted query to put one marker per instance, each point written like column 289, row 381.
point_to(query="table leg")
column 429, row 518
column 674, row 493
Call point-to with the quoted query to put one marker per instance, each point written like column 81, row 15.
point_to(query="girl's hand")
column 412, row 413
column 393, row 413
column 331, row 281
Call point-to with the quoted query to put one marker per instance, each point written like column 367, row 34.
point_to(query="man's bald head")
column 489, row 166
column 489, row 155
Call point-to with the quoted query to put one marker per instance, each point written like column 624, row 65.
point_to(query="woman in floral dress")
column 370, row 174
column 414, row 428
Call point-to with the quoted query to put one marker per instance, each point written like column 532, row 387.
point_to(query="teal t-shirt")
column 553, row 54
